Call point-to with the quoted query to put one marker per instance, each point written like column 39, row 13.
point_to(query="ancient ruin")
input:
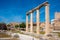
column 47, row 31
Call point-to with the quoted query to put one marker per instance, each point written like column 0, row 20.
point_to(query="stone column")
column 47, row 19
column 37, row 18
column 26, row 23
column 31, row 23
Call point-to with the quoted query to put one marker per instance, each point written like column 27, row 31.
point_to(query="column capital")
column 31, row 11
column 37, row 8
column 46, row 4
column 27, row 14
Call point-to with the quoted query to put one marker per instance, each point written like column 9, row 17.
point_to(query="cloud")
column 12, row 19
column 3, row 19
column 17, row 19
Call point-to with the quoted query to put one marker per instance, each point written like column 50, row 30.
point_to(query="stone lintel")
column 46, row 4
column 38, row 7
column 41, row 5
column 31, row 11
column 27, row 13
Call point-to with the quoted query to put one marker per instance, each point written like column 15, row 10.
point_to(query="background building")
column 56, row 22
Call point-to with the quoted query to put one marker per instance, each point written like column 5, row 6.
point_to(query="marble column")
column 37, row 19
column 31, row 22
column 26, row 23
column 47, row 19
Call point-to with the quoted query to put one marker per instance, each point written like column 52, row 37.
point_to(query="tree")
column 3, row 26
column 22, row 25
column 16, row 26
column 8, row 25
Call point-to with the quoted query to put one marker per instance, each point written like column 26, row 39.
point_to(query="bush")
column 42, row 32
column 58, row 34
column 3, row 26
column 22, row 25
column 16, row 26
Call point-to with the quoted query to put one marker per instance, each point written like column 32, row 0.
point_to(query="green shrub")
column 42, row 32
column 58, row 34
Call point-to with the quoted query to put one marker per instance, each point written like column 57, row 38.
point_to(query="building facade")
column 56, row 22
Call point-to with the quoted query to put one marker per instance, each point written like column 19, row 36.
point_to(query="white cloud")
column 12, row 19
column 17, row 19
column 3, row 19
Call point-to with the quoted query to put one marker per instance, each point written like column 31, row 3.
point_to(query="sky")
column 15, row 10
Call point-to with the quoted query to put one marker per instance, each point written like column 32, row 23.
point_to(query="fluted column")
column 31, row 22
column 37, row 18
column 47, row 19
column 26, row 23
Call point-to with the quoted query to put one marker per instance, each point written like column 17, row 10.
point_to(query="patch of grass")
column 58, row 34
column 3, row 35
column 42, row 32
column 34, row 31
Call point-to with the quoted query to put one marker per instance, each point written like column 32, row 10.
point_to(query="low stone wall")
column 27, row 37
column 24, row 37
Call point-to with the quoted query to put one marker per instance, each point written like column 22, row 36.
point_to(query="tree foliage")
column 8, row 25
column 22, row 25
column 16, row 26
column 3, row 26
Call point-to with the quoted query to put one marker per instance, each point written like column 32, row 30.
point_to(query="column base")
column 38, row 33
